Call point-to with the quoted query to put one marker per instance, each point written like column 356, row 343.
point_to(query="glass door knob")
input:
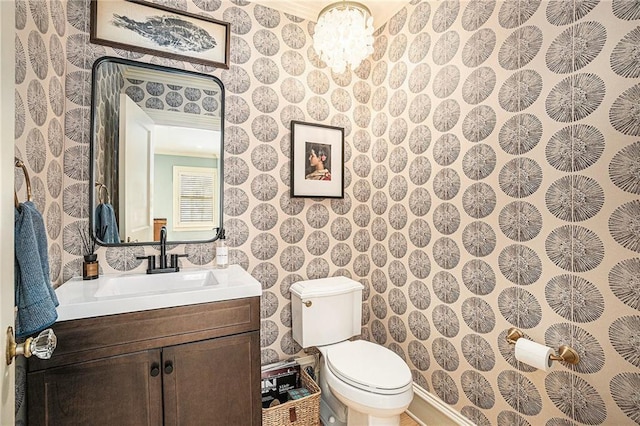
column 41, row 346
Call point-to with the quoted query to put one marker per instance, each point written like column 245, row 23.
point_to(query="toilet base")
column 384, row 410
column 356, row 418
column 330, row 417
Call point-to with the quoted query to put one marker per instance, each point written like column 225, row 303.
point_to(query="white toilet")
column 362, row 383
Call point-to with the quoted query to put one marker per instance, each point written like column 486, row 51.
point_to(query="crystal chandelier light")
column 344, row 35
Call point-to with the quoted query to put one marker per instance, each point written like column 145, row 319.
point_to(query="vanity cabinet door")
column 213, row 382
column 119, row 390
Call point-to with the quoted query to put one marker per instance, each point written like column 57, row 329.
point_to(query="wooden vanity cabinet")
column 190, row 365
column 111, row 391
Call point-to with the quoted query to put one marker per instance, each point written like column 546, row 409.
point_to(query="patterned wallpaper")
column 41, row 85
column 110, row 82
column 492, row 180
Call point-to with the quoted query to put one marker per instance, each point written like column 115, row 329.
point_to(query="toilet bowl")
column 363, row 384
column 373, row 382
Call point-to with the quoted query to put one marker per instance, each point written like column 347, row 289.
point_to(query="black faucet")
column 151, row 259
column 163, row 247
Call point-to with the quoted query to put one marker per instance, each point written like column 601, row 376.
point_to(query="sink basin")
column 137, row 284
column 120, row 293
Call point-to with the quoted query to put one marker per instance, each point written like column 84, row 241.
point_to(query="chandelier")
column 344, row 35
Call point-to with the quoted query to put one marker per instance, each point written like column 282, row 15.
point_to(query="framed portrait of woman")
column 317, row 160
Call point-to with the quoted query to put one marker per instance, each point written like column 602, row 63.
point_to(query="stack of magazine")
column 277, row 380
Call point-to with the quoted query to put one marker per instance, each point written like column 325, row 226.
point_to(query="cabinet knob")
column 155, row 369
column 168, row 367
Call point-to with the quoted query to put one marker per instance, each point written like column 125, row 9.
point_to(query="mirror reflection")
column 156, row 149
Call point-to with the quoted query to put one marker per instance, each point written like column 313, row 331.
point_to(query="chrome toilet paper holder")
column 564, row 353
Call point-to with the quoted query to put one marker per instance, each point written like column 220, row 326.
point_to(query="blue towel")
column 35, row 298
column 106, row 222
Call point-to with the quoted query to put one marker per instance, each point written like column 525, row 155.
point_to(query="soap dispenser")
column 222, row 251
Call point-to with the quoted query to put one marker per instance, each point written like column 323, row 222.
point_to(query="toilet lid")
column 369, row 366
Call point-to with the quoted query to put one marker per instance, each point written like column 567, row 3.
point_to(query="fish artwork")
column 170, row 32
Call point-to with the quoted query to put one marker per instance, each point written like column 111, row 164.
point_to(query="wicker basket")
column 298, row 412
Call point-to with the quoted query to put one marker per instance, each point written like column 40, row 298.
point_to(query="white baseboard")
column 429, row 410
column 307, row 360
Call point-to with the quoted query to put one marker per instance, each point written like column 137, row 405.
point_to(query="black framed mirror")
column 157, row 136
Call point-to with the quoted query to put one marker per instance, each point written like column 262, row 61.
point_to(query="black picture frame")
column 317, row 160
column 196, row 38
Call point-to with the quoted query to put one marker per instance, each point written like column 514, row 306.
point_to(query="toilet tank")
column 325, row 310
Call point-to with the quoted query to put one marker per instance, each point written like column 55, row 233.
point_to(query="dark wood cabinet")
column 209, row 382
column 118, row 390
column 192, row 365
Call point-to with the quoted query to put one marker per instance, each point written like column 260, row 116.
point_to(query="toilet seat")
column 369, row 367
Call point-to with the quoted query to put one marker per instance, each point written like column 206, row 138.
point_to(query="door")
column 136, row 172
column 124, row 390
column 214, row 382
column 7, row 86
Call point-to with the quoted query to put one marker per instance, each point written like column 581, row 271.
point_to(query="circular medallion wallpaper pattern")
column 454, row 240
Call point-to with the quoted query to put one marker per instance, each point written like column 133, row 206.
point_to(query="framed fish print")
column 155, row 29
column 317, row 160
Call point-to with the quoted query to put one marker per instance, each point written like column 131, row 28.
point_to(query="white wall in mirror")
column 191, row 141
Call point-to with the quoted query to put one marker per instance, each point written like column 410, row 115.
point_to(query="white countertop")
column 120, row 293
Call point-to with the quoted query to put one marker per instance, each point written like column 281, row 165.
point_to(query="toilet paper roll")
column 534, row 354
